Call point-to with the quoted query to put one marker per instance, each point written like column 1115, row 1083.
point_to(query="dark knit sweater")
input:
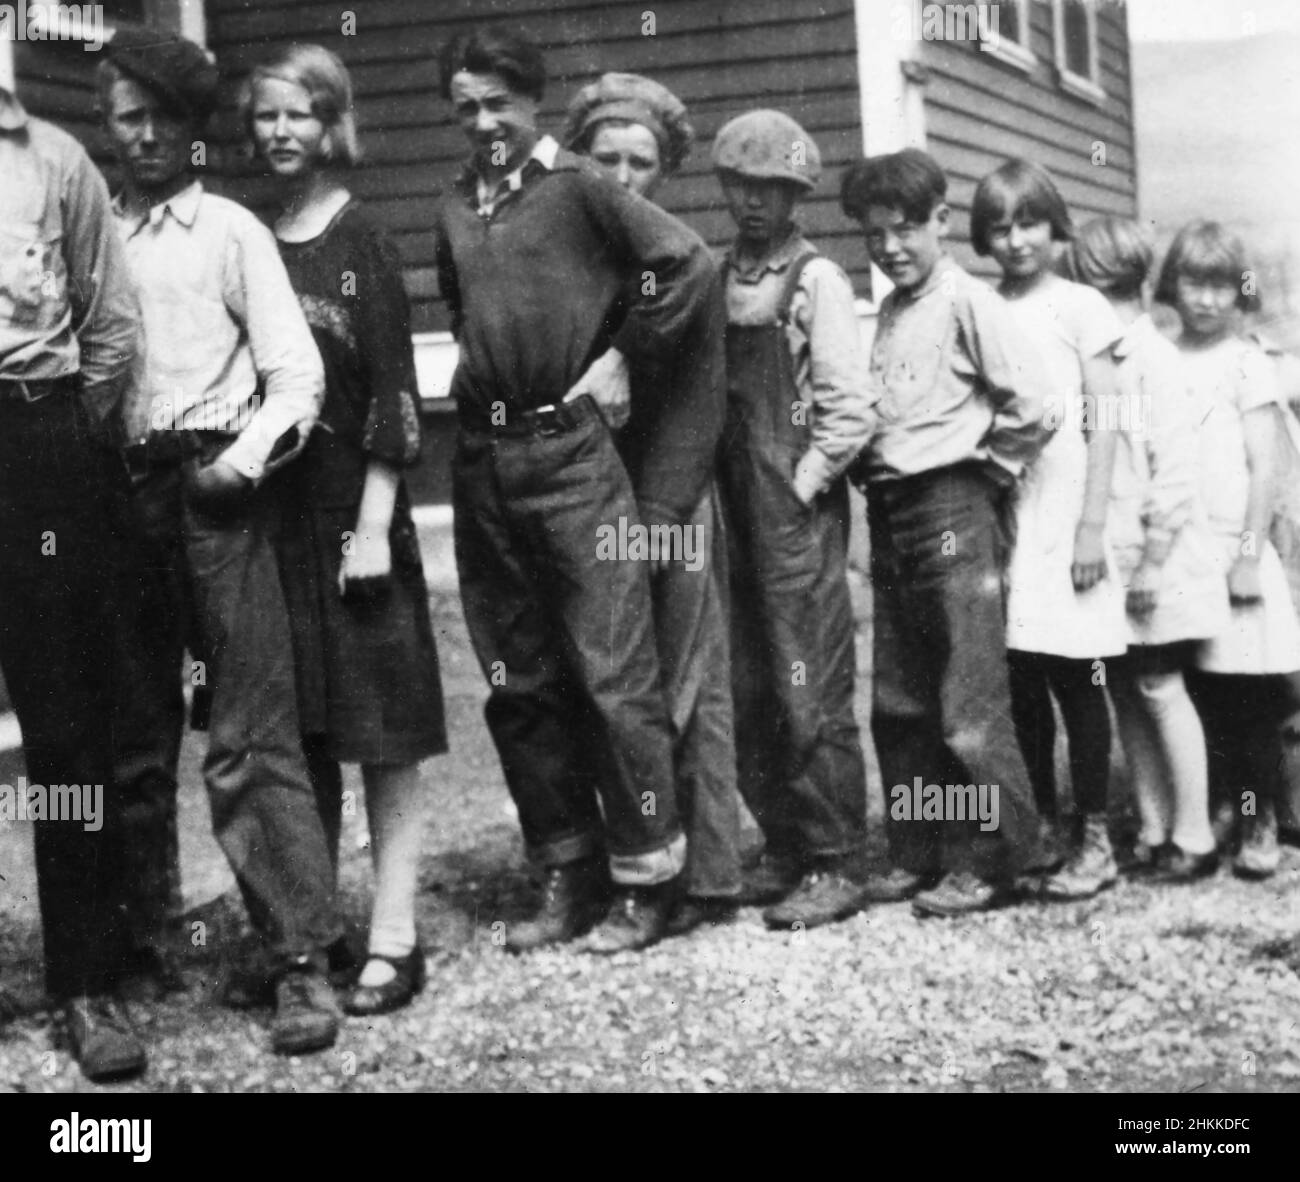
column 563, row 269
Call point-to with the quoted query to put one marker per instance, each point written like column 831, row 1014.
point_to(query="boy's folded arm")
column 676, row 269
column 291, row 374
column 842, row 416
column 680, row 433
column 1015, row 379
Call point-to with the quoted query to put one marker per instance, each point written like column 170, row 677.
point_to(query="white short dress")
column 1155, row 493
column 1068, row 322
column 1228, row 380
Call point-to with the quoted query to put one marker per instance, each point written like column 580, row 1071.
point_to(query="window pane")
column 1078, row 51
column 1008, row 19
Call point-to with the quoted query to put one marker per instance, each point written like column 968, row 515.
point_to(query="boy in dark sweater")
column 537, row 254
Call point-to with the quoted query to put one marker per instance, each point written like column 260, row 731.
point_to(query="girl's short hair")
column 491, row 51
column 325, row 78
column 1210, row 252
column 909, row 181
column 1019, row 189
column 1113, row 255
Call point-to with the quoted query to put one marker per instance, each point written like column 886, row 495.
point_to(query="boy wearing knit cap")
column 230, row 386
column 637, row 133
column 799, row 408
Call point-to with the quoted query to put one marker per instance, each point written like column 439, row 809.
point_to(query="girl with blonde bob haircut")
column 369, row 690
column 325, row 79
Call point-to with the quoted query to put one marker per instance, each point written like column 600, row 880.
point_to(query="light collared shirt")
column 830, row 368
column 227, row 347
column 959, row 380
column 489, row 194
column 66, row 301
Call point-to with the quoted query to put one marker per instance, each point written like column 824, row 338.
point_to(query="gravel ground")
column 1141, row 989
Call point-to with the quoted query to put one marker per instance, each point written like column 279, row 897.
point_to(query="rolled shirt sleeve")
column 836, row 378
column 291, row 376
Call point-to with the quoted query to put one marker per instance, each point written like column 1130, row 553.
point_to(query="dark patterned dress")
column 368, row 678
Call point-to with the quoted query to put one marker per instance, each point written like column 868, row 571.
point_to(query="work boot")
column 571, row 902
column 306, row 1011
column 103, row 1038
column 1089, row 870
column 961, row 893
column 694, row 912
column 897, row 885
column 824, row 895
column 774, row 877
column 1260, row 854
column 638, row 917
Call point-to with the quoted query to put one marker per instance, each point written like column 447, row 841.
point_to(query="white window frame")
column 1015, row 52
column 1084, row 86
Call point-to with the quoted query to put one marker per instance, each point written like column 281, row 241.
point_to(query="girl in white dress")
column 1176, row 596
column 1250, row 683
column 1065, row 610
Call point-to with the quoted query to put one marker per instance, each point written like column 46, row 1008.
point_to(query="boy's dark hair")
column 1207, row 251
column 1019, row 189
column 1112, row 254
column 909, row 181
column 491, row 51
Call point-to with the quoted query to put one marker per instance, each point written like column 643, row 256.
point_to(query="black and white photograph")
column 645, row 546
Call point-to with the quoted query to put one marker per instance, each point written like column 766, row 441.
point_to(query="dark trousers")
column 149, row 713
column 798, row 750
column 56, row 653
column 942, row 705
column 691, row 631
column 553, row 624
column 1035, row 679
column 264, row 812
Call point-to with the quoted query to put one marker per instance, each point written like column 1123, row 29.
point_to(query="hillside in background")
column 1217, row 137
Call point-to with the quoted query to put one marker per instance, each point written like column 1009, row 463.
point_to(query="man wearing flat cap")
column 230, row 385
column 69, row 327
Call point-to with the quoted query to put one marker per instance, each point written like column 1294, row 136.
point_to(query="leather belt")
column 554, row 419
column 34, row 389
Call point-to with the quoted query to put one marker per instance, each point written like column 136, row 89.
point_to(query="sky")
column 1201, row 20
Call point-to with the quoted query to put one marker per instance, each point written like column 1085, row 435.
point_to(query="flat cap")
column 177, row 71
column 768, row 145
column 638, row 100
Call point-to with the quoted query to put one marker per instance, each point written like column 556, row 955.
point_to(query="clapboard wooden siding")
column 56, row 80
column 979, row 111
column 720, row 56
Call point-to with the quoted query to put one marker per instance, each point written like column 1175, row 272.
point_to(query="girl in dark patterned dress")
column 368, row 680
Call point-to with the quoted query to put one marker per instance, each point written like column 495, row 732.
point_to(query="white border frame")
column 1081, row 86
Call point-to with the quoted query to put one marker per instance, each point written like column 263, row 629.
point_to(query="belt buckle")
column 547, row 419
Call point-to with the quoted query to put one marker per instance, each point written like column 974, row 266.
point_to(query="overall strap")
column 792, row 277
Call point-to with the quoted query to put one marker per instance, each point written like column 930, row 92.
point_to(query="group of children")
column 1066, row 510
column 1065, row 507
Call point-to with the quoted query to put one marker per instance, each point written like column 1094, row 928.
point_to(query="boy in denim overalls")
column 799, row 408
